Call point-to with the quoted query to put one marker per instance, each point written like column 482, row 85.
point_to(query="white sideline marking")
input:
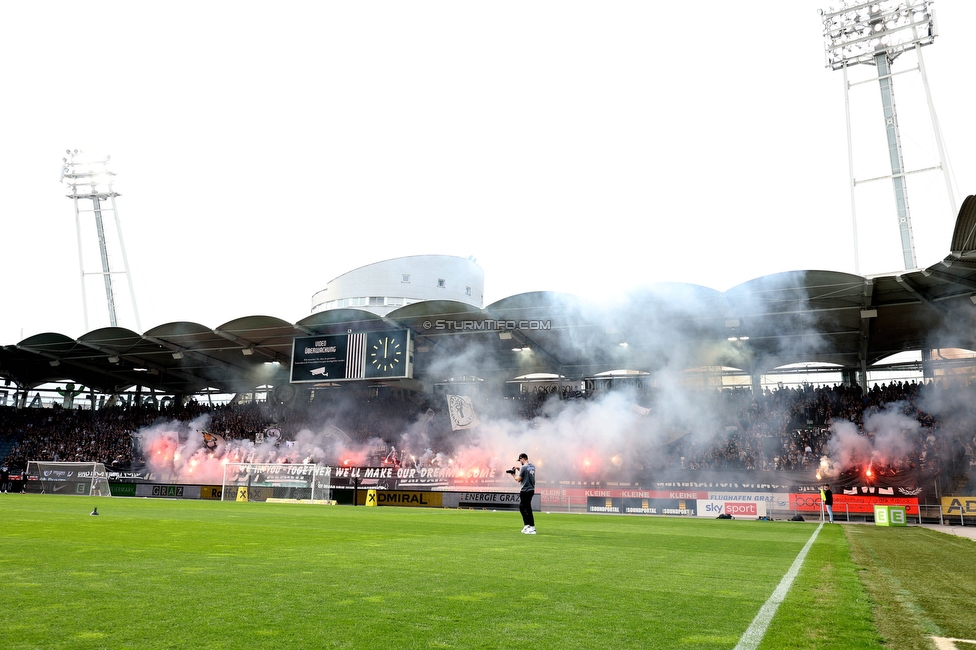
column 753, row 636
column 945, row 643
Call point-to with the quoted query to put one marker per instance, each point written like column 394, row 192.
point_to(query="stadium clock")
column 385, row 355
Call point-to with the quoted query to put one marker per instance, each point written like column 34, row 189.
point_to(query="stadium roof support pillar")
column 897, row 161
column 928, row 365
column 20, row 397
column 867, row 309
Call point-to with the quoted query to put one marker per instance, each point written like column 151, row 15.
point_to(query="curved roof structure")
column 801, row 316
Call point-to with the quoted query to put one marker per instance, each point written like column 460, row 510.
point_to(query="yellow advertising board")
column 403, row 498
column 210, row 492
column 965, row 506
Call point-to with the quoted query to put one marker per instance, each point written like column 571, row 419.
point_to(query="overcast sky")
column 261, row 150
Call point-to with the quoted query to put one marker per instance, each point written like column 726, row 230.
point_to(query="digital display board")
column 386, row 354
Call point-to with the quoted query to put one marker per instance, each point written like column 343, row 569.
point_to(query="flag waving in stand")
column 461, row 410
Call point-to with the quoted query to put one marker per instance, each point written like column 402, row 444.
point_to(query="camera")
column 510, row 471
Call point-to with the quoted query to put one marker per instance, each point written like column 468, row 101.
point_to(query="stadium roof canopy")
column 771, row 321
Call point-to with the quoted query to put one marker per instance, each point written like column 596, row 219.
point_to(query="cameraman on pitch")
column 526, row 476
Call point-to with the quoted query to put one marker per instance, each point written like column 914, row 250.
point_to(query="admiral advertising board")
column 386, row 354
column 402, row 498
column 962, row 506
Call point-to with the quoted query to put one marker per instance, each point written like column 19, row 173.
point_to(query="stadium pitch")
column 190, row 574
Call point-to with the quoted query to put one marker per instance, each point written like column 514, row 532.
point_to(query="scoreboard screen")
column 386, row 354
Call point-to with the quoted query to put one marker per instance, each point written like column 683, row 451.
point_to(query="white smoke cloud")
column 890, row 439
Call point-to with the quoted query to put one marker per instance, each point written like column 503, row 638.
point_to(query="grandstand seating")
column 784, row 429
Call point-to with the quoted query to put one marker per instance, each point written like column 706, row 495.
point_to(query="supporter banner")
column 401, row 498
column 461, row 410
column 430, row 478
column 56, row 474
column 130, row 476
column 277, row 474
column 862, row 490
column 685, row 507
column 965, row 506
column 447, row 477
column 903, row 482
column 853, row 504
column 727, row 480
column 740, row 509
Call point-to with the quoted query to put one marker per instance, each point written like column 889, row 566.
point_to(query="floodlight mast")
column 92, row 180
column 876, row 33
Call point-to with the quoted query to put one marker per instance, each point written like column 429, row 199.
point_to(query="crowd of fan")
column 789, row 429
column 780, row 429
column 105, row 435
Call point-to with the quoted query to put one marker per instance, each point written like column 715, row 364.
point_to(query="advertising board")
column 845, row 503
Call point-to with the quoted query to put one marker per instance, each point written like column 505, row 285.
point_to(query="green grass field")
column 195, row 574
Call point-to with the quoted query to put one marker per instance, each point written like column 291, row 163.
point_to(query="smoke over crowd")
column 659, row 419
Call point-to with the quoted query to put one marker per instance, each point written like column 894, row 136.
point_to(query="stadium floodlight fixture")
column 869, row 313
column 178, row 354
column 55, row 363
column 876, row 33
column 113, row 359
column 247, row 352
column 973, row 298
column 856, row 32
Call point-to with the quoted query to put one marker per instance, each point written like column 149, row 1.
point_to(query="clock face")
column 386, row 355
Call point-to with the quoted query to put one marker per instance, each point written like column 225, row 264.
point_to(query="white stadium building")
column 381, row 287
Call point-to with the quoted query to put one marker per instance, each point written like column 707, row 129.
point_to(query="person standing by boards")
column 524, row 474
column 828, row 500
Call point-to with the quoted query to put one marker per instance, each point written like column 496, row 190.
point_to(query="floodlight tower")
column 876, row 33
column 89, row 179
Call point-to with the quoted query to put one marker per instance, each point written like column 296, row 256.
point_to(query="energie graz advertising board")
column 385, row 354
